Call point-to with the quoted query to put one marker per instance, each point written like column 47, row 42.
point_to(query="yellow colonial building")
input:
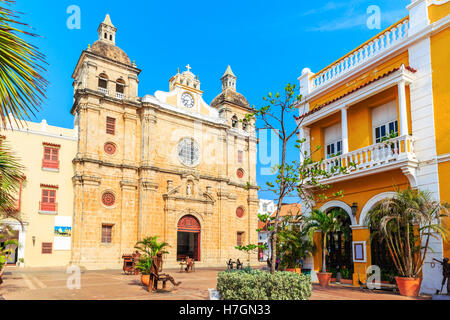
column 397, row 82
column 45, row 199
column 167, row 164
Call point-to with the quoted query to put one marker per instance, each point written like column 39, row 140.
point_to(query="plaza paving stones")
column 50, row 284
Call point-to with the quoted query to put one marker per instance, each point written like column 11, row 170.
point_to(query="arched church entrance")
column 339, row 247
column 188, row 238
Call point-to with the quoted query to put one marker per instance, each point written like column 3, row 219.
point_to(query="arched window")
column 106, row 36
column 103, row 83
column 110, row 37
column 245, row 125
column 234, row 122
column 120, row 89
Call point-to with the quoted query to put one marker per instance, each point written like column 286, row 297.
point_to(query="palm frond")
column 22, row 87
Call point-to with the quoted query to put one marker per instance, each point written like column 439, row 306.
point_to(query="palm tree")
column 326, row 223
column 293, row 242
column 11, row 176
column 150, row 247
column 22, row 88
column 407, row 222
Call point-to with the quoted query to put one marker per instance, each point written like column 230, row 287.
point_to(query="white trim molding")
column 371, row 203
column 342, row 205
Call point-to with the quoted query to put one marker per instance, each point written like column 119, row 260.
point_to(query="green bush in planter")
column 258, row 285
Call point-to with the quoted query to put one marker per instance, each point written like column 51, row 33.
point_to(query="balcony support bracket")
column 410, row 171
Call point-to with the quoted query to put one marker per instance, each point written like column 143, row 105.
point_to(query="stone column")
column 344, row 125
column 361, row 234
column 403, row 112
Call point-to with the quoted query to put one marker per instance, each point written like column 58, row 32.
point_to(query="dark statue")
column 445, row 273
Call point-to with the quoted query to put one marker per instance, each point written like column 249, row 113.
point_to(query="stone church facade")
column 166, row 165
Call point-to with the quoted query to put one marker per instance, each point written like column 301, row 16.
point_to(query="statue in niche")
column 189, row 189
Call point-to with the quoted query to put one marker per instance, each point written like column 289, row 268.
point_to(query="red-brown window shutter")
column 240, row 236
column 107, row 233
column 110, row 125
column 51, row 157
column 47, row 247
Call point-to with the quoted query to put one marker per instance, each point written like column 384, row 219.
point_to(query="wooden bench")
column 156, row 275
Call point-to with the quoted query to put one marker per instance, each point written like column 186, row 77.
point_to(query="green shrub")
column 258, row 285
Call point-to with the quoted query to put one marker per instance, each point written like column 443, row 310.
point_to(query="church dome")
column 110, row 51
column 230, row 96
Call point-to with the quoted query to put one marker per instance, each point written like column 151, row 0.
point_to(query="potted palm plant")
column 149, row 248
column 326, row 223
column 407, row 222
column 293, row 244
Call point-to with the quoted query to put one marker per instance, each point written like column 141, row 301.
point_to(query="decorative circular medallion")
column 239, row 212
column 240, row 173
column 108, row 199
column 110, row 148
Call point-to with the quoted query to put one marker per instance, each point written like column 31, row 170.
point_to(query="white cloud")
column 351, row 20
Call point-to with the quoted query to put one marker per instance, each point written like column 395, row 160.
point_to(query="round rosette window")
column 188, row 152
column 240, row 212
column 110, row 148
column 240, row 173
column 108, row 199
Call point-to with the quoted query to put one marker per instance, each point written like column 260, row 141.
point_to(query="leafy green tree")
column 407, row 222
column 22, row 88
column 290, row 177
column 326, row 223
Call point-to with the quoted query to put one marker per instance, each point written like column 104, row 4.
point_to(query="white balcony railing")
column 120, row 96
column 363, row 53
column 103, row 90
column 392, row 151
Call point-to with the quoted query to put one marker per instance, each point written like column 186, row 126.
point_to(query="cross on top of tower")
column 188, row 67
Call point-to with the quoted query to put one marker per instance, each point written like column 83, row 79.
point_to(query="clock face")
column 187, row 100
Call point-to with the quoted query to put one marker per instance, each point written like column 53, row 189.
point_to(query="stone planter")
column 324, row 278
column 408, row 287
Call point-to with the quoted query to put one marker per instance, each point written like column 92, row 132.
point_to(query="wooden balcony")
column 50, row 164
column 48, row 207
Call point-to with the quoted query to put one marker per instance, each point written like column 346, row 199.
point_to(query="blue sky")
column 267, row 43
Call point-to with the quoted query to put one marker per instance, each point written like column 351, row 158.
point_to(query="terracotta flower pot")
column 346, row 281
column 408, row 287
column 290, row 269
column 298, row 270
column 324, row 278
column 145, row 279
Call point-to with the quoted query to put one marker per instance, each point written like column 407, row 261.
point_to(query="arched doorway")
column 380, row 255
column 188, row 238
column 339, row 247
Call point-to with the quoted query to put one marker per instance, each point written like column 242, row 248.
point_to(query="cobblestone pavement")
column 50, row 284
